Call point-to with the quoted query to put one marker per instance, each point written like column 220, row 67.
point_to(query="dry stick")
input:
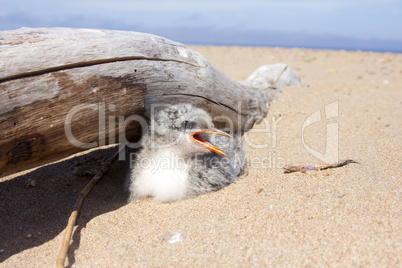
column 291, row 169
column 73, row 217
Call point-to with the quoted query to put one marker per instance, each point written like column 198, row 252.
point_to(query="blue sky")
column 341, row 24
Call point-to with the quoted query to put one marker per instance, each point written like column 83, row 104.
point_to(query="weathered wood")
column 65, row 90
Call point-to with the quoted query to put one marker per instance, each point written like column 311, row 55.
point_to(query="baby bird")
column 183, row 156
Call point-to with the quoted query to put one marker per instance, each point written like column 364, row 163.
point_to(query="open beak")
column 197, row 137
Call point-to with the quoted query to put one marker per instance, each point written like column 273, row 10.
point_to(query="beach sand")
column 348, row 216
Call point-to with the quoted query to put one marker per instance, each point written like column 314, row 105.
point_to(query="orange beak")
column 197, row 137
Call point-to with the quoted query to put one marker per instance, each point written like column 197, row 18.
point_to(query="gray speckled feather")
column 211, row 172
column 172, row 166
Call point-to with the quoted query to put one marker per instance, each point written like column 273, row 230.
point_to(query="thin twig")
column 73, row 217
column 291, row 169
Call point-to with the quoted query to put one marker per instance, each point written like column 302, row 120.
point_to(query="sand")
column 349, row 216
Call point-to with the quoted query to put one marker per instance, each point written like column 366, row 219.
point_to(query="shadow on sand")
column 32, row 215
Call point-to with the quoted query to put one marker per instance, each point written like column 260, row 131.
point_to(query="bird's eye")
column 189, row 124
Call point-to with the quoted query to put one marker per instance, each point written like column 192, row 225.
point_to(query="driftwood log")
column 66, row 90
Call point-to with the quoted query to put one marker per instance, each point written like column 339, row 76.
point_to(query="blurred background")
column 374, row 25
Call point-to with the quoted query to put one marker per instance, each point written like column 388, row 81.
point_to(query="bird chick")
column 183, row 156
